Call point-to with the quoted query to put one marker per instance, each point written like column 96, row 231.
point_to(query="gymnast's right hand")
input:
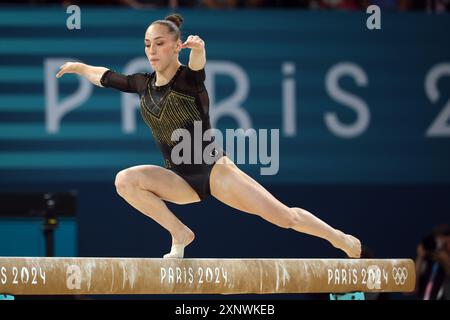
column 69, row 67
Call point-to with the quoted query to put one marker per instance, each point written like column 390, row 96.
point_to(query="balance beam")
column 85, row 276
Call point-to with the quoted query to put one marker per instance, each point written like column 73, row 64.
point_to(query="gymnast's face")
column 161, row 47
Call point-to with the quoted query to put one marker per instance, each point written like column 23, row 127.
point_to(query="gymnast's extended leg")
column 235, row 188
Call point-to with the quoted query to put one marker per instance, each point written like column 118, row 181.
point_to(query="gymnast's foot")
column 349, row 244
column 179, row 242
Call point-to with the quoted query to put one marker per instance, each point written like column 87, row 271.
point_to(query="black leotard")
column 178, row 104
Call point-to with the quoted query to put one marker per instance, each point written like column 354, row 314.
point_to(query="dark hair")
column 429, row 243
column 173, row 22
column 442, row 230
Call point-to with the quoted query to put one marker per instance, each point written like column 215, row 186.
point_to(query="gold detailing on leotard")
column 174, row 111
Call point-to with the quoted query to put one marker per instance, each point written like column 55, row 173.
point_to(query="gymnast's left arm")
column 197, row 57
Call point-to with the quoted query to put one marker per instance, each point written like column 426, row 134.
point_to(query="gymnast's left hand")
column 193, row 42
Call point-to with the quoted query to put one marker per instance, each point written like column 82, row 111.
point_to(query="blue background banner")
column 352, row 105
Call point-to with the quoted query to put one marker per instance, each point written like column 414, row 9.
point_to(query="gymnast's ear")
column 178, row 46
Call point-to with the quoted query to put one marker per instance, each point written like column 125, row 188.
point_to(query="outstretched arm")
column 104, row 77
column 197, row 57
column 93, row 74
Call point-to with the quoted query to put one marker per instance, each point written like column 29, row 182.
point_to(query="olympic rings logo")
column 400, row 275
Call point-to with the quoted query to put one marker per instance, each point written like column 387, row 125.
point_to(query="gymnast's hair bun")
column 175, row 18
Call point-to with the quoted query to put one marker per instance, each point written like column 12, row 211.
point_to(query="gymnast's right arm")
column 102, row 77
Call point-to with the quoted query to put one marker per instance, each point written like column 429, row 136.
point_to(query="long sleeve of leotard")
column 134, row 83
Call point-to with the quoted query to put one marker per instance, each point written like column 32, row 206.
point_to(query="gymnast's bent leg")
column 146, row 187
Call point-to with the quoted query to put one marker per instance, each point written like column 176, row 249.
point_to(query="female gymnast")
column 173, row 96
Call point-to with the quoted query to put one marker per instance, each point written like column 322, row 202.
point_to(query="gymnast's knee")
column 290, row 219
column 124, row 182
